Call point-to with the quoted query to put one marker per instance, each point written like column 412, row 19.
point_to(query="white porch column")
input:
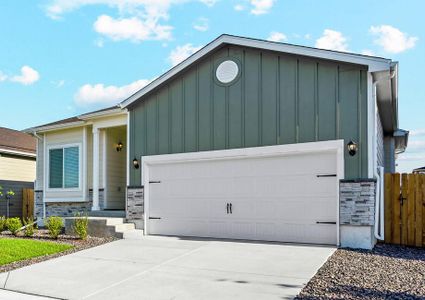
column 96, row 159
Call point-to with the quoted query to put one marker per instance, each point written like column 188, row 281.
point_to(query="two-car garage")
column 278, row 193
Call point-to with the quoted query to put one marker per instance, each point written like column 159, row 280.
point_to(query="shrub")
column 30, row 227
column 3, row 224
column 13, row 225
column 80, row 226
column 54, row 225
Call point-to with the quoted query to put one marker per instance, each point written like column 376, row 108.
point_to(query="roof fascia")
column 374, row 64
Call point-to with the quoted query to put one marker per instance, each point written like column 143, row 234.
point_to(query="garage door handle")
column 326, row 175
column 227, row 207
column 157, row 181
column 154, row 218
column 318, row 222
column 231, row 208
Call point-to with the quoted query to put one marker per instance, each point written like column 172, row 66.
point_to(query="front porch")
column 108, row 184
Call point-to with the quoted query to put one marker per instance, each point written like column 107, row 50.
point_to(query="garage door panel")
column 178, row 227
column 277, row 198
column 246, row 229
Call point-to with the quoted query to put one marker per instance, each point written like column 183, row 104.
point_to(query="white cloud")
column 132, row 29
column 307, row 36
column 391, row 39
column 261, row 7
column 332, row 40
column 368, row 52
column 417, row 157
column 277, row 37
column 209, row 2
column 94, row 94
column 3, row 76
column 417, row 132
column 201, row 24
column 138, row 19
column 180, row 53
column 416, row 146
column 148, row 8
column 239, row 7
column 28, row 76
column 59, row 83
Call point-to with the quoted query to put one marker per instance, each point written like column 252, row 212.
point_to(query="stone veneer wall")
column 64, row 209
column 38, row 204
column 135, row 205
column 357, row 202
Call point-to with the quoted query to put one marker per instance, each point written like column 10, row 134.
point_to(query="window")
column 64, row 167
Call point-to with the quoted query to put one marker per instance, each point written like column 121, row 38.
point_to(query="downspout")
column 379, row 230
column 44, row 175
column 379, row 196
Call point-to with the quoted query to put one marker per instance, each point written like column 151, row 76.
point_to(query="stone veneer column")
column 38, row 204
column 135, row 206
column 357, row 213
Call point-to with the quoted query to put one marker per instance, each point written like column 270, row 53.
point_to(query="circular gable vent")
column 227, row 71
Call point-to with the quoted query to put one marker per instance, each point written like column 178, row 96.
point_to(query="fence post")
column 411, row 210
column 388, row 204
column 396, row 238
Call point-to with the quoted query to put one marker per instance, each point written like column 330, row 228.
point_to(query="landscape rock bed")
column 43, row 235
column 386, row 272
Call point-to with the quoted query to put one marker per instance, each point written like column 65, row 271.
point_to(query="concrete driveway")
column 173, row 268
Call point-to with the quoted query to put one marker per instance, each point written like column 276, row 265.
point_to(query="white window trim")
column 80, row 165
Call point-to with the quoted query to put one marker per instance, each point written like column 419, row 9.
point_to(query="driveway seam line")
column 236, row 272
column 141, row 273
column 31, row 294
column 7, row 278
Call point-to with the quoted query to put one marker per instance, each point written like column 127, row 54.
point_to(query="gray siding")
column 279, row 99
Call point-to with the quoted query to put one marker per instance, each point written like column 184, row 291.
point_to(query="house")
column 419, row 171
column 17, row 167
column 245, row 139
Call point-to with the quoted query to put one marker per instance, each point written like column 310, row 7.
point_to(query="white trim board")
column 374, row 64
column 17, row 153
column 336, row 146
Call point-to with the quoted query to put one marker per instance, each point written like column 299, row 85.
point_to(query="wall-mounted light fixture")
column 135, row 163
column 352, row 148
column 119, row 146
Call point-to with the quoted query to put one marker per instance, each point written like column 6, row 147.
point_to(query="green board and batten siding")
column 278, row 99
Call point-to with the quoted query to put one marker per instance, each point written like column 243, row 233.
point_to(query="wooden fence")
column 405, row 209
column 27, row 203
column 16, row 205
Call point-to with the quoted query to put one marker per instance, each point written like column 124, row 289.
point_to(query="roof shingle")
column 15, row 140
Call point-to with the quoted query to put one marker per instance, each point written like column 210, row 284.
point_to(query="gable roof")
column 76, row 120
column 16, row 142
column 373, row 63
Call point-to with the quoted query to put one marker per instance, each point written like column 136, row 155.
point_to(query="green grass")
column 20, row 249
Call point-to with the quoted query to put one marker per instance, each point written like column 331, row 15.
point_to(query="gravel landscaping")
column 386, row 272
column 42, row 235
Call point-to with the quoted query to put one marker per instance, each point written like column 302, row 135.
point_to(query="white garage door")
column 287, row 198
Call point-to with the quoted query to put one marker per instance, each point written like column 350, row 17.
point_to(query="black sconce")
column 119, row 146
column 135, row 163
column 352, row 148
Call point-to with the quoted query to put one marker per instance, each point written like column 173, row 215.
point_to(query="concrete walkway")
column 173, row 268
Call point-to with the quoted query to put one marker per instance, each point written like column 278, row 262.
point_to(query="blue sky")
column 59, row 58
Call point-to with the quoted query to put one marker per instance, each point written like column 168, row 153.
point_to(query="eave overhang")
column 374, row 64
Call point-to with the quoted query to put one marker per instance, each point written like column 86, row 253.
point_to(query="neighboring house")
column 245, row 139
column 419, row 171
column 17, row 155
column 17, row 167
